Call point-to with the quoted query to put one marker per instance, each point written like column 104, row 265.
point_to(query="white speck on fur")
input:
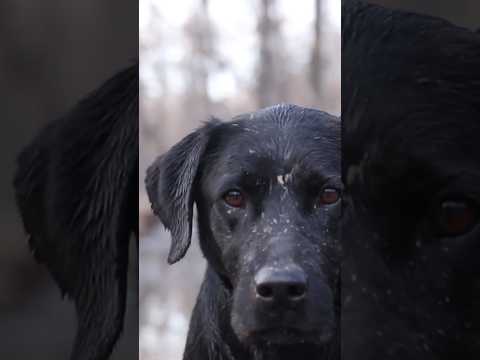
column 284, row 179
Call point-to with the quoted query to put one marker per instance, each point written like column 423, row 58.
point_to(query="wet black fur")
column 76, row 186
column 410, row 135
column 193, row 169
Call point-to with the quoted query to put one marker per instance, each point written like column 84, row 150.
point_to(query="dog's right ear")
column 170, row 183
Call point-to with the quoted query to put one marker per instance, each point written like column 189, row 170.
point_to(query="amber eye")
column 455, row 218
column 234, row 198
column 329, row 196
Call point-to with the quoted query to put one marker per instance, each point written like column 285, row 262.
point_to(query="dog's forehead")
column 287, row 116
column 278, row 140
column 418, row 146
column 284, row 125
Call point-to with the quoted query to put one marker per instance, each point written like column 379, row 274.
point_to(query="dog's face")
column 411, row 167
column 267, row 188
column 413, row 235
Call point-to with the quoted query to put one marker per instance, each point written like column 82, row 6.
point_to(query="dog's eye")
column 454, row 218
column 329, row 196
column 234, row 198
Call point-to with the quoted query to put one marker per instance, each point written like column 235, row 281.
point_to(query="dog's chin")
column 286, row 337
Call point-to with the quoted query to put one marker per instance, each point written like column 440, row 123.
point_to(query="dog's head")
column 411, row 166
column 267, row 189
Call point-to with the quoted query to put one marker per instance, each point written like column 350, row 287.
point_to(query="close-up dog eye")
column 234, row 198
column 455, row 217
column 328, row 196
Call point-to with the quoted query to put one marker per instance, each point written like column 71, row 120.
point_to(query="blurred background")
column 52, row 53
column 213, row 57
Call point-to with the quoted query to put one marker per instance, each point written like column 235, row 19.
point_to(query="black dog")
column 411, row 169
column 77, row 190
column 267, row 189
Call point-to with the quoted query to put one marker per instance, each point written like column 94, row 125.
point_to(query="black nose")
column 287, row 283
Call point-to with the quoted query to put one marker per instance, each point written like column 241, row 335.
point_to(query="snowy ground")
column 167, row 296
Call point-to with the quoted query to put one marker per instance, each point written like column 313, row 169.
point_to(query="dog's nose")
column 287, row 284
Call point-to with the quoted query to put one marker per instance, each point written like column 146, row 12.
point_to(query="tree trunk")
column 315, row 60
column 266, row 73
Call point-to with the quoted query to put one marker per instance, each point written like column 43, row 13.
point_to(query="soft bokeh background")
column 215, row 57
column 52, row 53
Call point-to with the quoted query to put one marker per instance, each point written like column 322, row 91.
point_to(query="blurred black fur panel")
column 411, row 168
column 76, row 187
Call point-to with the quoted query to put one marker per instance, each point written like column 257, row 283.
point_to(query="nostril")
column 296, row 291
column 265, row 291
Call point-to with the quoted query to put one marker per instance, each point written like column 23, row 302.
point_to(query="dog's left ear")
column 170, row 184
column 76, row 187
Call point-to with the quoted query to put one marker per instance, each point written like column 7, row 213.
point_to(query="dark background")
column 461, row 12
column 52, row 53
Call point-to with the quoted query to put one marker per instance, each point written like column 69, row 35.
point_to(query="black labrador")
column 76, row 186
column 267, row 190
column 411, row 170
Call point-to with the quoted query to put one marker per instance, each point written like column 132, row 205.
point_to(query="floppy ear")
column 170, row 183
column 76, row 187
